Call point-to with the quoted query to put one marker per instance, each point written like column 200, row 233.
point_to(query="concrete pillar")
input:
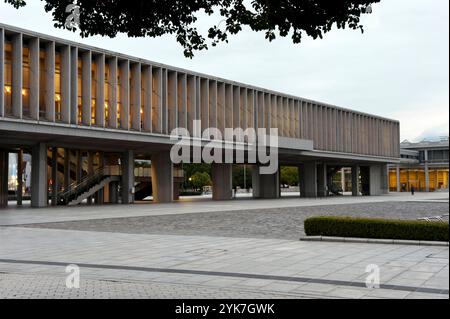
column 128, row 177
column 147, row 103
column 67, row 178
column 2, row 75
column 34, row 78
column 427, row 173
column 113, row 193
column 135, row 96
column 162, row 178
column 398, row 176
column 222, row 180
column 308, row 179
column 39, row 176
column 100, row 197
column 17, row 79
column 125, row 94
column 86, row 87
column 264, row 185
column 176, row 191
column 19, row 178
column 355, row 180
column 50, row 81
column 4, row 162
column 55, row 176
column 384, row 179
column 112, row 91
column 74, row 85
column 322, row 181
column 90, row 172
column 79, row 167
column 65, row 84
column 100, row 91
column 343, row 179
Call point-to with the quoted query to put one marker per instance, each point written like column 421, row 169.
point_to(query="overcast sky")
column 399, row 68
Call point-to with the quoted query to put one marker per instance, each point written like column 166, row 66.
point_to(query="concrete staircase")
column 94, row 189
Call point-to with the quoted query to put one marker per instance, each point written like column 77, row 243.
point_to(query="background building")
column 424, row 166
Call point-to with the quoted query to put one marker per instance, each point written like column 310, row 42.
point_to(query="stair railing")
column 77, row 188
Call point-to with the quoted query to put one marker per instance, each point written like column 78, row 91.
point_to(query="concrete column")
column 90, row 172
column 4, row 162
column 100, row 91
column 19, row 178
column 308, row 179
column 222, row 178
column 343, row 179
column 125, row 94
column 112, row 107
column 39, row 176
column 427, row 173
column 34, row 78
column 113, row 193
column 17, row 79
column 86, row 88
column 79, row 167
column 50, row 81
column 176, row 191
column 378, row 180
column 397, row 170
column 54, row 176
column 2, row 76
column 128, row 177
column 265, row 186
column 384, row 179
column 136, row 96
column 147, row 103
column 322, row 187
column 74, row 85
column 67, row 178
column 355, row 180
column 162, row 178
column 65, row 84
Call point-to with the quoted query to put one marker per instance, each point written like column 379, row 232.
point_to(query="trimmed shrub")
column 376, row 228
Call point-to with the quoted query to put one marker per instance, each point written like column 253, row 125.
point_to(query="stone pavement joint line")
column 235, row 275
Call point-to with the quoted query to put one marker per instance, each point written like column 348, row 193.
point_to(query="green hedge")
column 376, row 228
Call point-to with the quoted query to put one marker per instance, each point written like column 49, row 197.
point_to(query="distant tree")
column 238, row 176
column 200, row 180
column 154, row 18
column 289, row 176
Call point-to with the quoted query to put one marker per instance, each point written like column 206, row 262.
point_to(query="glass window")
column 42, row 83
column 58, row 115
column 26, row 82
column 80, row 91
column 106, row 92
column 8, row 78
column 93, row 92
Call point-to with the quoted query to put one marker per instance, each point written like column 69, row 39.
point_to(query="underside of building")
column 86, row 118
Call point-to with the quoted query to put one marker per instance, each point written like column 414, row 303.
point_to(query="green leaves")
column 154, row 18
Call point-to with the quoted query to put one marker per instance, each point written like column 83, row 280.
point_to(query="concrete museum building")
column 85, row 116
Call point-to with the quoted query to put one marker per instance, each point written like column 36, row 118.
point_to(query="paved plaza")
column 238, row 249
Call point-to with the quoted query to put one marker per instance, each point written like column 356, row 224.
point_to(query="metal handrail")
column 75, row 187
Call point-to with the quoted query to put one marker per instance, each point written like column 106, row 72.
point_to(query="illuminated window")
column 58, row 86
column 8, row 78
column 26, row 82
column 93, row 92
column 42, row 83
column 106, row 92
column 80, row 91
